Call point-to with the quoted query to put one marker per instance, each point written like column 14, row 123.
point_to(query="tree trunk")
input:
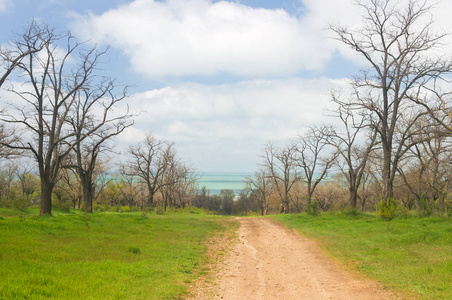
column 353, row 197
column 387, row 182
column 88, row 198
column 86, row 181
column 151, row 198
column 46, row 198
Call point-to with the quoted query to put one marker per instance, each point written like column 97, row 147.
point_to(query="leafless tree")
column 7, row 175
column 281, row 166
column 148, row 162
column 314, row 156
column 32, row 41
column 93, row 113
column 27, row 179
column 329, row 195
column 261, row 187
column 353, row 148
column 396, row 40
column 177, row 180
column 51, row 82
column 426, row 170
column 129, row 190
column 185, row 186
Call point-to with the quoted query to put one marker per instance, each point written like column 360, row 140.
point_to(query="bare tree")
column 7, row 174
column 32, row 41
column 148, row 161
column 260, row 186
column 94, row 114
column 314, row 157
column 426, row 170
column 175, row 177
column 27, row 179
column 129, row 190
column 51, row 82
column 353, row 148
column 69, row 185
column 396, row 40
column 185, row 189
column 281, row 166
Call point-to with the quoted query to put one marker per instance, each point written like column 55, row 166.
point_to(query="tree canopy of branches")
column 94, row 125
column 282, row 168
column 261, row 189
column 148, row 160
column 398, row 41
column 54, row 70
column 352, row 152
column 314, row 157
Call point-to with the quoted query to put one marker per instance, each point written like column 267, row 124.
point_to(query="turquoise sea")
column 217, row 181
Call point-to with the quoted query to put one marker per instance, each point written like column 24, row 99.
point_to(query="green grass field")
column 412, row 255
column 103, row 255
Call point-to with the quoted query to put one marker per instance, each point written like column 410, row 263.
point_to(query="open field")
column 149, row 256
column 411, row 255
column 103, row 255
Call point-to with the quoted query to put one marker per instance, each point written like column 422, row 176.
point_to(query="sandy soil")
column 272, row 262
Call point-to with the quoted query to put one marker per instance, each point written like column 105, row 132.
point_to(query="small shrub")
column 134, row 250
column 63, row 206
column 312, row 209
column 387, row 210
column 425, row 208
column 115, row 208
column 101, row 207
column 124, row 209
column 403, row 211
column 194, row 210
column 352, row 212
column 159, row 210
column 134, row 208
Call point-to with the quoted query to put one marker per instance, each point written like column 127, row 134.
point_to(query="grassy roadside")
column 412, row 255
column 103, row 255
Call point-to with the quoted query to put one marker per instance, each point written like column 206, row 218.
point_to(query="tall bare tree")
column 94, row 114
column 51, row 77
column 281, row 165
column 148, row 161
column 33, row 40
column 397, row 40
column 426, row 170
column 261, row 188
column 353, row 148
column 314, row 156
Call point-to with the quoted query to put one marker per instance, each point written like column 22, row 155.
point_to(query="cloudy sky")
column 218, row 78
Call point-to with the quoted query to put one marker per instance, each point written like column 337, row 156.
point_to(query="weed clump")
column 312, row 209
column 134, row 250
column 387, row 210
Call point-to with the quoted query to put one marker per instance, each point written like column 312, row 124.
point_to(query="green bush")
column 387, row 210
column 312, row 209
column 159, row 210
column 124, row 209
column 134, row 250
column 20, row 203
column 63, row 206
column 115, row 208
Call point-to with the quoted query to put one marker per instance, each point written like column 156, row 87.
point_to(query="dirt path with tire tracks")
column 272, row 262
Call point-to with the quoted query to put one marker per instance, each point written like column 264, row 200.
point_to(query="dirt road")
column 273, row 262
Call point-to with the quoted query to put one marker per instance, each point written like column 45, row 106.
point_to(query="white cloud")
column 226, row 124
column 322, row 13
column 5, row 4
column 198, row 37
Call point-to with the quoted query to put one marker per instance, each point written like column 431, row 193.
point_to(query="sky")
column 218, row 78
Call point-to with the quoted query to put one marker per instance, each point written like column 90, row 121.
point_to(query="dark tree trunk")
column 46, row 198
